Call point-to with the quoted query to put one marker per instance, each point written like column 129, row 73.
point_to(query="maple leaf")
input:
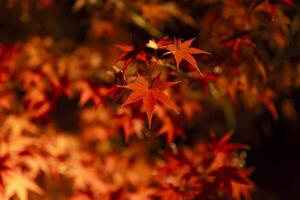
column 169, row 127
column 224, row 177
column 19, row 185
column 16, row 125
column 86, row 177
column 172, row 164
column 222, row 149
column 224, row 146
column 131, row 124
column 6, row 100
column 106, row 93
column 131, row 52
column 36, row 163
column 149, row 94
column 235, row 44
column 36, row 101
column 189, row 106
column 31, row 79
column 183, row 51
column 206, row 79
column 87, row 93
column 239, row 189
column 178, row 173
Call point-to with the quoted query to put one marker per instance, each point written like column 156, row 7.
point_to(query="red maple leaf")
column 132, row 52
column 240, row 190
column 170, row 130
column 132, row 124
column 183, row 51
column 224, row 146
column 149, row 94
column 169, row 127
column 225, row 176
column 235, row 44
column 87, row 93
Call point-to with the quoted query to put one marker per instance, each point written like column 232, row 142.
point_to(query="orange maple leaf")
column 87, row 93
column 19, row 185
column 132, row 125
column 6, row 99
column 149, row 94
column 86, row 177
column 223, row 145
column 240, row 190
column 132, row 52
column 225, row 176
column 183, row 51
column 168, row 128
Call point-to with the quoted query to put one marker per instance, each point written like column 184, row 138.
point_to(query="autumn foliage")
column 118, row 115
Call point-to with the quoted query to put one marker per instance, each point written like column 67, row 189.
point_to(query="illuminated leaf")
column 149, row 94
column 19, row 185
column 183, row 51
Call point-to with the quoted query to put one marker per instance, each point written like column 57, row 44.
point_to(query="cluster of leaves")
column 34, row 78
column 81, row 123
column 41, row 165
column 40, row 79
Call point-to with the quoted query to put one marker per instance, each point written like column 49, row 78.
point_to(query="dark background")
column 275, row 144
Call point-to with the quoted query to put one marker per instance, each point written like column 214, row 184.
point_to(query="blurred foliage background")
column 256, row 43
